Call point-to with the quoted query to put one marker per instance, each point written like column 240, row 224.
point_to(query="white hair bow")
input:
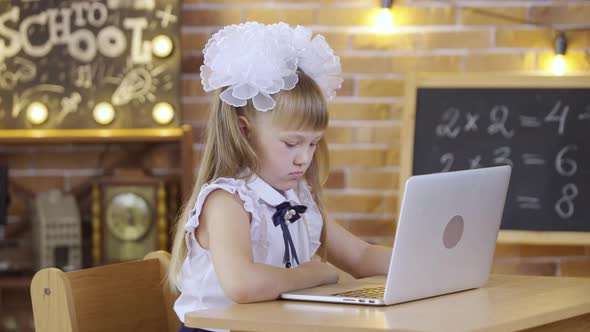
column 255, row 61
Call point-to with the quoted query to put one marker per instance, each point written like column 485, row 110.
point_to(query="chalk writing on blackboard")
column 544, row 134
column 565, row 166
column 96, row 50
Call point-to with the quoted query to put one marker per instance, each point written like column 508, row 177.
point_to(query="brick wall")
column 365, row 117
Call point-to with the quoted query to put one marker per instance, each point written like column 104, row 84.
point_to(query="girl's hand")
column 321, row 272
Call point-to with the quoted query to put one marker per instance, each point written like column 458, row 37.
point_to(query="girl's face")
column 283, row 155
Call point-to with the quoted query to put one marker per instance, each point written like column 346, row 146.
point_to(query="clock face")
column 128, row 216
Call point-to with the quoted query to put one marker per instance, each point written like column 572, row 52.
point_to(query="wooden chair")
column 121, row 297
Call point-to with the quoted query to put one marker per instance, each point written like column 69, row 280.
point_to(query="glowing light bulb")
column 384, row 21
column 103, row 113
column 163, row 113
column 37, row 113
column 558, row 65
column 162, row 46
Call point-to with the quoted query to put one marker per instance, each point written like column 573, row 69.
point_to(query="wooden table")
column 506, row 303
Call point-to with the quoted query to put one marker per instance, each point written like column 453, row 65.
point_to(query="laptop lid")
column 447, row 231
column 445, row 239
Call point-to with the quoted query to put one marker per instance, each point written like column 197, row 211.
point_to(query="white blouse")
column 199, row 285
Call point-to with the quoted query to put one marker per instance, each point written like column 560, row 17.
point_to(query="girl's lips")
column 296, row 174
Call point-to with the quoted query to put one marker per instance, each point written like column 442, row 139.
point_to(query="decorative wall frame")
column 64, row 64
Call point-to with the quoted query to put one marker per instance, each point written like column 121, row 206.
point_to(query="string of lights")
column 512, row 18
column 559, row 43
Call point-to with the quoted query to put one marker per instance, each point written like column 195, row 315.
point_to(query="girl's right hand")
column 323, row 273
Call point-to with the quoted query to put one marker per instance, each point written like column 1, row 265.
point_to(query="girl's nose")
column 303, row 157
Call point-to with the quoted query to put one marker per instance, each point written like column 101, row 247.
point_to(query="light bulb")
column 384, row 21
column 162, row 46
column 558, row 65
column 103, row 113
column 163, row 113
column 37, row 113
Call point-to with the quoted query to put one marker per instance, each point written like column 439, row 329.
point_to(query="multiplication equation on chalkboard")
column 543, row 132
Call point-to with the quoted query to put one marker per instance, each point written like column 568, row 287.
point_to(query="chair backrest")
column 130, row 296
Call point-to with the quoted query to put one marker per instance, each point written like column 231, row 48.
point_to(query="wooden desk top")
column 507, row 302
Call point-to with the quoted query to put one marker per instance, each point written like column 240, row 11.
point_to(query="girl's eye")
column 291, row 145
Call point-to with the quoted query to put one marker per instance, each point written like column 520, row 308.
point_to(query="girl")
column 255, row 218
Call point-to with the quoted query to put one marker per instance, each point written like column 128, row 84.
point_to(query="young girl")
column 255, row 218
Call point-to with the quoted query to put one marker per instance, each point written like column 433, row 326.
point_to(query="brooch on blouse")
column 288, row 214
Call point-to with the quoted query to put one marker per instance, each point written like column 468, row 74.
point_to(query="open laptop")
column 445, row 240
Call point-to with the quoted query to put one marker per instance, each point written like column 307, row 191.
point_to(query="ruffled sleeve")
column 314, row 219
column 228, row 184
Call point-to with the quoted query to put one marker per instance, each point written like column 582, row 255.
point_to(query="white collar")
column 269, row 194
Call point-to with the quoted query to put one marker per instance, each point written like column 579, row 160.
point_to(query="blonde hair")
column 228, row 152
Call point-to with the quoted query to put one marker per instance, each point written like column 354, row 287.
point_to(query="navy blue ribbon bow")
column 287, row 213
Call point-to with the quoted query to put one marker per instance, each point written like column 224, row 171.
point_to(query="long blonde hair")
column 228, row 152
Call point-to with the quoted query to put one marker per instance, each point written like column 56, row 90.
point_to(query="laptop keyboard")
column 369, row 293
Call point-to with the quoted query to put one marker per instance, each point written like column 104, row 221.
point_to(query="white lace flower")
column 319, row 62
column 254, row 61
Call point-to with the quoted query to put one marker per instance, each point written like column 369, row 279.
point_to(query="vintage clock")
column 129, row 217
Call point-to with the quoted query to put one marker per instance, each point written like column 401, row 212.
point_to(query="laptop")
column 445, row 241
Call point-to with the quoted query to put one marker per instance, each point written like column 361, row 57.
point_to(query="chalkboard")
column 537, row 124
column 74, row 55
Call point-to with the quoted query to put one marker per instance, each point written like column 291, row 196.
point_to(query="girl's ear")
column 244, row 124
